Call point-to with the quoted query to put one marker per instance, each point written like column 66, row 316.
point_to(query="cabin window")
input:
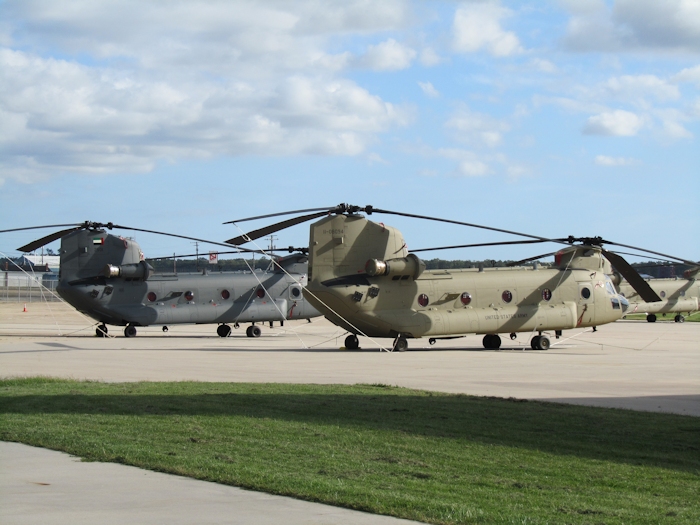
column 296, row 292
column 507, row 296
column 423, row 300
column 546, row 294
column 662, row 294
column 466, row 298
column 152, row 297
column 225, row 294
column 189, row 295
column 586, row 293
column 260, row 293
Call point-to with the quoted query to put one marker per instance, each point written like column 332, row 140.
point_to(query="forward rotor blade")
column 46, row 240
column 268, row 230
column 684, row 261
column 206, row 241
column 504, row 243
column 279, row 214
column 636, row 281
column 450, row 221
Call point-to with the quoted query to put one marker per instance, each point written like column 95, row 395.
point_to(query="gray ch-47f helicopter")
column 107, row 278
column 363, row 279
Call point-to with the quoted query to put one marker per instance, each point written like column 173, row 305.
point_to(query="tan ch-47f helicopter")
column 363, row 279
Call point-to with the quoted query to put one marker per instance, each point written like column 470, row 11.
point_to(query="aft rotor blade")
column 206, row 241
column 529, row 259
column 637, row 282
column 279, row 214
column 39, row 227
column 268, row 230
column 504, row 243
column 46, row 240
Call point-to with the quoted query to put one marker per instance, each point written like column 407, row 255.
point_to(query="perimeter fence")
column 26, row 288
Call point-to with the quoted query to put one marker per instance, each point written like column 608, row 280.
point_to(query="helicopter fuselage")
column 363, row 279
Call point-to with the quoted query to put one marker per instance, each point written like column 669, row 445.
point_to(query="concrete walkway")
column 53, row 488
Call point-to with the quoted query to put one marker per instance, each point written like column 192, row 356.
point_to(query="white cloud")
column 689, row 74
column 429, row 89
column 545, row 66
column 627, row 87
column 159, row 81
column 473, row 168
column 605, row 160
column 477, row 27
column 477, row 128
column 635, row 25
column 430, row 58
column 616, row 123
column 387, row 56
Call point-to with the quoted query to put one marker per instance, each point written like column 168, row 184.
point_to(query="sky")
column 551, row 118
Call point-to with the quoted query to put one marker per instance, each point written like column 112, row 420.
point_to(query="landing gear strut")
column 101, row 331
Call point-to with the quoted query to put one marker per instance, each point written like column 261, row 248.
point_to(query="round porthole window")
column 296, row 292
column 225, row 294
column 507, row 296
column 586, row 293
column 662, row 294
column 189, row 295
column 546, row 294
column 466, row 298
column 152, row 297
column 260, row 293
column 423, row 300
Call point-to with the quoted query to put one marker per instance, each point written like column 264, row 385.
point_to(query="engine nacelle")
column 141, row 270
column 410, row 266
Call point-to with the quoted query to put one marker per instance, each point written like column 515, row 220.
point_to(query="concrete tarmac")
column 628, row 364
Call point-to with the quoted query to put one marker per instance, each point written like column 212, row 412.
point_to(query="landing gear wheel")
column 130, row 331
column 101, row 331
column 492, row 341
column 679, row 319
column 400, row 344
column 540, row 342
column 223, row 330
column 651, row 318
column 165, row 328
column 351, row 342
column 253, row 331
column 432, row 341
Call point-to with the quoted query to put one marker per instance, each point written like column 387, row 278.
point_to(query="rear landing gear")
column 101, row 331
column 130, row 331
column 679, row 319
column 651, row 318
column 492, row 341
column 253, row 331
column 223, row 330
column 540, row 342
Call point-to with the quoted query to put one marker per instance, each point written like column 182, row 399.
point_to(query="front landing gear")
column 352, row 342
column 130, row 331
column 679, row 319
column 101, row 331
column 492, row 341
column 400, row 344
column 540, row 342
column 223, row 330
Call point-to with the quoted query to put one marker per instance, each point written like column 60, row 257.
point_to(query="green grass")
column 426, row 456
